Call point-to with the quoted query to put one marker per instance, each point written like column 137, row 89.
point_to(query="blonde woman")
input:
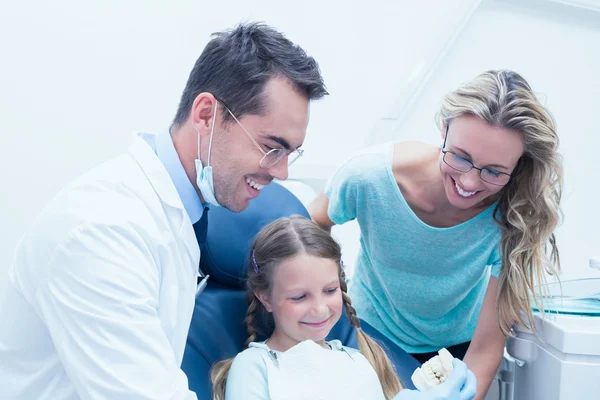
column 454, row 239
column 295, row 277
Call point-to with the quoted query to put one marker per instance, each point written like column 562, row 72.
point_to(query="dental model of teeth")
column 434, row 371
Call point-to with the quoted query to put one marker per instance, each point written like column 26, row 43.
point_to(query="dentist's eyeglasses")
column 273, row 156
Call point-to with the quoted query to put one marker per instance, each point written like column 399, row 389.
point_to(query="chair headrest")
column 229, row 236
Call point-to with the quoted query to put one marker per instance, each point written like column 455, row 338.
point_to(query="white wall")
column 76, row 78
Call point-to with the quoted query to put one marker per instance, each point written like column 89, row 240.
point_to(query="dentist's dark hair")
column 281, row 240
column 236, row 65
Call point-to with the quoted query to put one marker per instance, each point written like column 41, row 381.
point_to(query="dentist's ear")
column 264, row 299
column 203, row 113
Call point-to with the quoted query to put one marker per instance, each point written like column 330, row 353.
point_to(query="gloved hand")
column 460, row 385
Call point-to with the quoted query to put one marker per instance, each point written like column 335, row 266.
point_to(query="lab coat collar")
column 166, row 152
column 164, row 187
column 155, row 171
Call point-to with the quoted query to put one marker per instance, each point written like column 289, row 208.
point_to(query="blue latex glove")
column 460, row 385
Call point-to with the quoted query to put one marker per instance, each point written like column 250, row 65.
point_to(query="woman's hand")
column 460, row 385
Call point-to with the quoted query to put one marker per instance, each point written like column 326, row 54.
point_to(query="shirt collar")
column 165, row 150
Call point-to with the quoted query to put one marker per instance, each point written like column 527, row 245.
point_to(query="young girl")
column 433, row 220
column 296, row 276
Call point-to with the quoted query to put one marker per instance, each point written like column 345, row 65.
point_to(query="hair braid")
column 390, row 382
column 253, row 307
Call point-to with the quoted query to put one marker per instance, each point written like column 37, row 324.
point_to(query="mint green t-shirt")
column 419, row 285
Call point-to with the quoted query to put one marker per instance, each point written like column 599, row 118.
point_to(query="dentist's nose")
column 280, row 170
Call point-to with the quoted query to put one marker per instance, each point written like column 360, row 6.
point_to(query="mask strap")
column 198, row 145
column 212, row 129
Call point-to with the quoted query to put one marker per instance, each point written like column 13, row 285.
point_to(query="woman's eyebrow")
column 463, row 151
column 488, row 165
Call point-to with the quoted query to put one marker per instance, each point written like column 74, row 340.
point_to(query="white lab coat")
column 102, row 289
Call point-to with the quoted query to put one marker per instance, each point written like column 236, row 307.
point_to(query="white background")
column 78, row 77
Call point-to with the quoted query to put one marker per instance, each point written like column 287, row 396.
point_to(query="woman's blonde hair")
column 529, row 206
column 283, row 239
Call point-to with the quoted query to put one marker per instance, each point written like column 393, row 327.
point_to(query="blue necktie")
column 201, row 228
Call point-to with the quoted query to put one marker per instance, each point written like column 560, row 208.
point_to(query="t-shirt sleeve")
column 496, row 261
column 342, row 192
column 247, row 378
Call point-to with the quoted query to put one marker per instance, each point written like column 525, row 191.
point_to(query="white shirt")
column 102, row 289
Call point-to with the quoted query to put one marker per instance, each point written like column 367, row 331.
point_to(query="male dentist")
column 102, row 289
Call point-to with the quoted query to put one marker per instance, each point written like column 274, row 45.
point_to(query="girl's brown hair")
column 283, row 239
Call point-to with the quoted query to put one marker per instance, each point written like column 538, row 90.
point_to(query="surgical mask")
column 204, row 175
column 308, row 371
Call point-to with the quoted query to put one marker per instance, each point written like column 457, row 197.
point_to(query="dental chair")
column 217, row 329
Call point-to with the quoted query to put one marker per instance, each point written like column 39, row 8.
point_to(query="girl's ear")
column 264, row 299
